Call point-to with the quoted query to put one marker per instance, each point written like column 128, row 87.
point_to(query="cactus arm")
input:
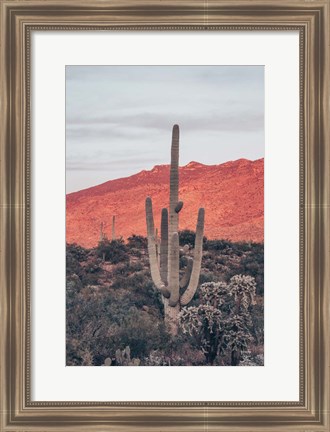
column 173, row 270
column 194, row 279
column 164, row 245
column 154, row 269
column 186, row 275
column 157, row 246
column 178, row 207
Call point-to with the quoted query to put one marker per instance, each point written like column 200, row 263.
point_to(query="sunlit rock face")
column 231, row 193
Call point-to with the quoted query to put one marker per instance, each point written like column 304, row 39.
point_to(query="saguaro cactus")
column 165, row 270
column 101, row 232
column 113, row 236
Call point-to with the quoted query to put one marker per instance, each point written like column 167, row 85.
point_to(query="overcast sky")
column 119, row 118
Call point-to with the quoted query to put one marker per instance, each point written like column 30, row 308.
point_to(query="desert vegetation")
column 113, row 304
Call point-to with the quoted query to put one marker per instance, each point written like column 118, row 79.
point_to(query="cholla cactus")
column 165, row 257
column 221, row 323
column 243, row 288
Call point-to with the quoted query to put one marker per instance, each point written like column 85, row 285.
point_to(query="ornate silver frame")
column 18, row 19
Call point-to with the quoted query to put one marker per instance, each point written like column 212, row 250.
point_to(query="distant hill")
column 231, row 193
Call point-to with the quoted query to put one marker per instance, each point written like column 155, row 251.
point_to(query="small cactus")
column 123, row 358
column 113, row 236
column 134, row 362
column 101, row 232
column 107, row 361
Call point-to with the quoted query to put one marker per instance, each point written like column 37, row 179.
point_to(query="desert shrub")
column 83, row 264
column 136, row 266
column 121, row 269
column 217, row 245
column 257, row 329
column 120, row 282
column 220, row 260
column 206, row 277
column 188, row 237
column 114, row 251
column 140, row 331
column 73, row 285
column 127, row 269
column 243, row 246
column 73, row 258
column 140, row 290
column 250, row 359
column 135, row 252
column 92, row 266
column 209, row 261
column 137, row 242
column 134, row 280
column 101, row 324
column 86, row 327
column 77, row 251
column 182, row 355
column 252, row 264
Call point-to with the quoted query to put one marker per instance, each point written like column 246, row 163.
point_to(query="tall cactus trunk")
column 174, row 183
column 165, row 272
column 171, row 317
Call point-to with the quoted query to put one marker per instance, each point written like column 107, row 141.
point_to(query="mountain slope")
column 231, row 193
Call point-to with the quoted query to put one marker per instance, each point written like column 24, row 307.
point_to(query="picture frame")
column 18, row 19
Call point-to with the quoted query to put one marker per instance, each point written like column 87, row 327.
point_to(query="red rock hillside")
column 231, row 193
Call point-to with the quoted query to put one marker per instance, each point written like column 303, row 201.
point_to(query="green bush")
column 137, row 242
column 188, row 237
column 114, row 251
column 140, row 331
column 217, row 245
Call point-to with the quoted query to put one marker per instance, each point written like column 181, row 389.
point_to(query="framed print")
column 122, row 257
column 165, row 208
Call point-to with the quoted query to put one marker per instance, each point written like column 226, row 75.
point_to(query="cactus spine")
column 165, row 271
